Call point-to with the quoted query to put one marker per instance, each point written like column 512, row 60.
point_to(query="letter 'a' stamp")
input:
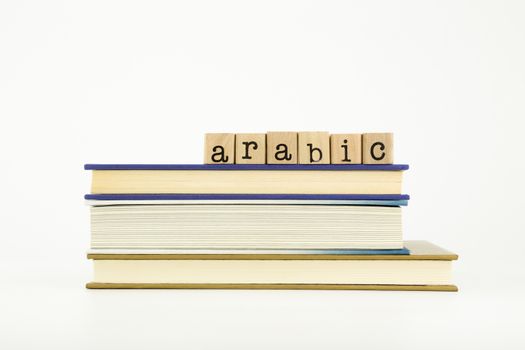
column 281, row 147
column 219, row 149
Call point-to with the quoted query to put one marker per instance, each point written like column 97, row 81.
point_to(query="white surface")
column 121, row 81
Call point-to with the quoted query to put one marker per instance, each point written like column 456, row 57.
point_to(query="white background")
column 141, row 82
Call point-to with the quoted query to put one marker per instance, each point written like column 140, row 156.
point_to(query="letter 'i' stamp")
column 345, row 149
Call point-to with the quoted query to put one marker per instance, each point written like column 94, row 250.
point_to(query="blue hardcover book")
column 279, row 199
column 329, row 180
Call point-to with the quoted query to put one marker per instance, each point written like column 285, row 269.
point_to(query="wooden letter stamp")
column 314, row 147
column 345, row 149
column 219, row 149
column 378, row 148
column 250, row 149
column 281, row 147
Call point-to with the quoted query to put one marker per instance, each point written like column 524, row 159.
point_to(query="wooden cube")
column 219, row 149
column 281, row 147
column 378, row 148
column 345, row 149
column 250, row 148
column 314, row 147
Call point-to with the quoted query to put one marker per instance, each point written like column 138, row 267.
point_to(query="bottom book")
column 426, row 267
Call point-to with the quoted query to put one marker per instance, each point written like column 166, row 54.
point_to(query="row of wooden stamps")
column 299, row 148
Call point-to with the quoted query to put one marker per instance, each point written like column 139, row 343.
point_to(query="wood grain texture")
column 219, row 148
column 379, row 287
column 378, row 148
column 250, row 149
column 314, row 147
column 345, row 149
column 419, row 250
column 281, row 147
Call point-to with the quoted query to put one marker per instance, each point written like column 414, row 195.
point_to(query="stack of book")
column 257, row 227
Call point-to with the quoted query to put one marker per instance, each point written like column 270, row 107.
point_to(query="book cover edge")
column 379, row 167
column 275, row 286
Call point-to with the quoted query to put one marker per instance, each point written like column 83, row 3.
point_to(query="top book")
column 274, row 163
column 246, row 179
